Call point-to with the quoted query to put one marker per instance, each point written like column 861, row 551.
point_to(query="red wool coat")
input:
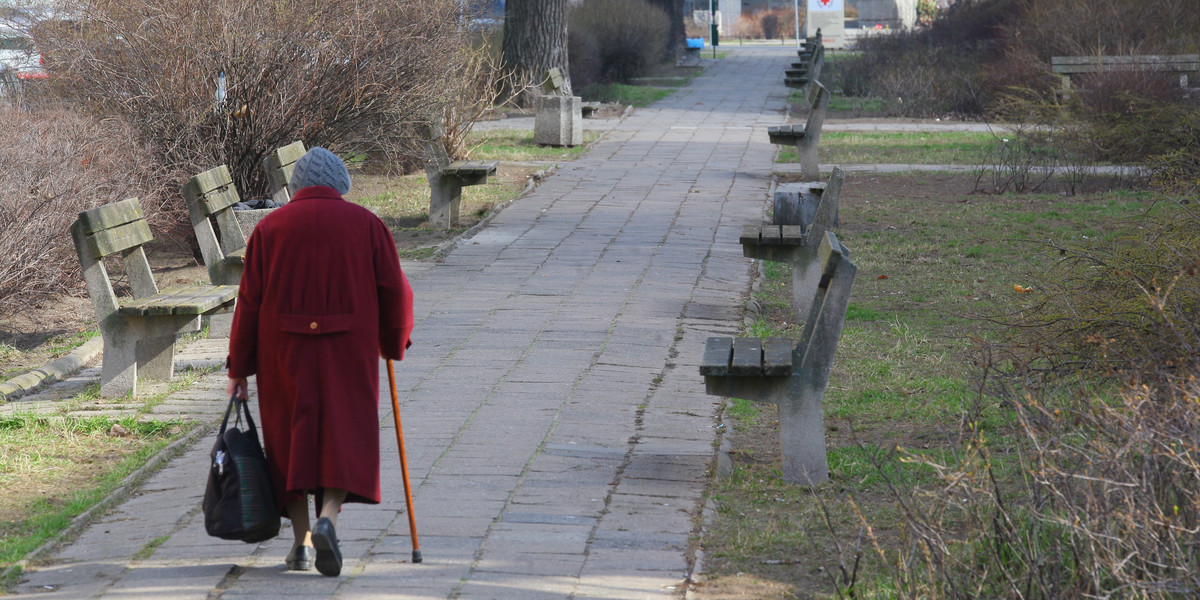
column 321, row 298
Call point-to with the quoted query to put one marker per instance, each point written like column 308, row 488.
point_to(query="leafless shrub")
column 57, row 163
column 227, row 81
column 474, row 92
column 1017, row 162
column 627, row 37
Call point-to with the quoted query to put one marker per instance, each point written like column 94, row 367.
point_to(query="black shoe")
column 329, row 556
column 301, row 558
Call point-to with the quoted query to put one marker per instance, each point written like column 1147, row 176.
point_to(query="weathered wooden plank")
column 717, row 352
column 212, row 189
column 471, row 168
column 119, row 238
column 288, row 155
column 747, row 357
column 751, row 235
column 789, row 134
column 215, row 202
column 111, row 215
column 237, row 257
column 791, row 235
column 1094, row 64
column 770, row 235
column 777, row 357
column 134, row 307
column 211, row 180
column 182, row 300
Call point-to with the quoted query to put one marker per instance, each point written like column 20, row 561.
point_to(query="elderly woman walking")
column 322, row 298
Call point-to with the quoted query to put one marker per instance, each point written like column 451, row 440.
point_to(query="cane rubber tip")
column 416, row 556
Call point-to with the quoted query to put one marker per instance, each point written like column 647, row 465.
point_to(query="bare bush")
column 57, row 163
column 627, row 38
column 1070, row 28
column 227, row 81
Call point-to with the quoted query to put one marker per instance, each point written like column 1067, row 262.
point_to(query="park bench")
column 138, row 333
column 806, row 137
column 794, row 377
column 1066, row 66
column 802, row 214
column 447, row 179
column 210, row 197
column 278, row 167
column 805, row 73
column 446, row 186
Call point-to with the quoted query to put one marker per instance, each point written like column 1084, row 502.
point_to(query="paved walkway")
column 558, row 433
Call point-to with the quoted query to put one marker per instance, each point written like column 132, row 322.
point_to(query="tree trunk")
column 678, row 36
column 535, row 41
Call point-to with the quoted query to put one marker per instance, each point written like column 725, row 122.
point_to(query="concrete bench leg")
column 139, row 348
column 156, row 358
column 220, row 326
column 802, row 439
column 444, row 200
column 118, row 373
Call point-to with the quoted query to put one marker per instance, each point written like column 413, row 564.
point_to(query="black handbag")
column 239, row 502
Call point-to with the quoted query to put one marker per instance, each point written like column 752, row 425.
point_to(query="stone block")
column 248, row 219
column 796, row 203
column 559, row 121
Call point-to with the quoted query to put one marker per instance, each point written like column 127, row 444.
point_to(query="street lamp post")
column 796, row 7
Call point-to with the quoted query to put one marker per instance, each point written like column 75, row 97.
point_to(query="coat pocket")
column 316, row 324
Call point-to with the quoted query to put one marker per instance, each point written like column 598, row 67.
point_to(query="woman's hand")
column 237, row 387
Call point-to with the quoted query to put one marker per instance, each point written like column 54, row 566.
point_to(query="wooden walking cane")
column 412, row 519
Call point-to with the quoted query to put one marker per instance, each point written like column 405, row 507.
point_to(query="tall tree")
column 535, row 41
column 678, row 36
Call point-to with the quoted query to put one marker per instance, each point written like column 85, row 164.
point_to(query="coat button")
column 312, row 325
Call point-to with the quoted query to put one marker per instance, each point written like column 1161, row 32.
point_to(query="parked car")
column 19, row 55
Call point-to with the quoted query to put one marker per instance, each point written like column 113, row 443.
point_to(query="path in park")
column 558, row 434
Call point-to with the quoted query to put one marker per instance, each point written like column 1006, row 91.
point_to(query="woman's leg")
column 298, row 513
column 331, row 504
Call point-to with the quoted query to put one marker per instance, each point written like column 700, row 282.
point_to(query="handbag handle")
column 245, row 408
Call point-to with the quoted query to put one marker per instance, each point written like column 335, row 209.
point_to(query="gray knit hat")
column 319, row 166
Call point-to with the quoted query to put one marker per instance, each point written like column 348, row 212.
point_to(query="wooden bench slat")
column 772, row 235
column 122, row 237
column 111, row 215
column 1179, row 62
column 751, row 234
column 717, row 351
column 135, row 305
column 213, row 189
column 288, row 155
column 182, row 300
column 777, row 357
column 791, row 235
column 747, row 357
column 471, row 167
column 212, row 179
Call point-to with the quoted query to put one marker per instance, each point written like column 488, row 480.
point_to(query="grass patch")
column 518, row 145
column 919, row 148
column 622, row 93
column 54, row 468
